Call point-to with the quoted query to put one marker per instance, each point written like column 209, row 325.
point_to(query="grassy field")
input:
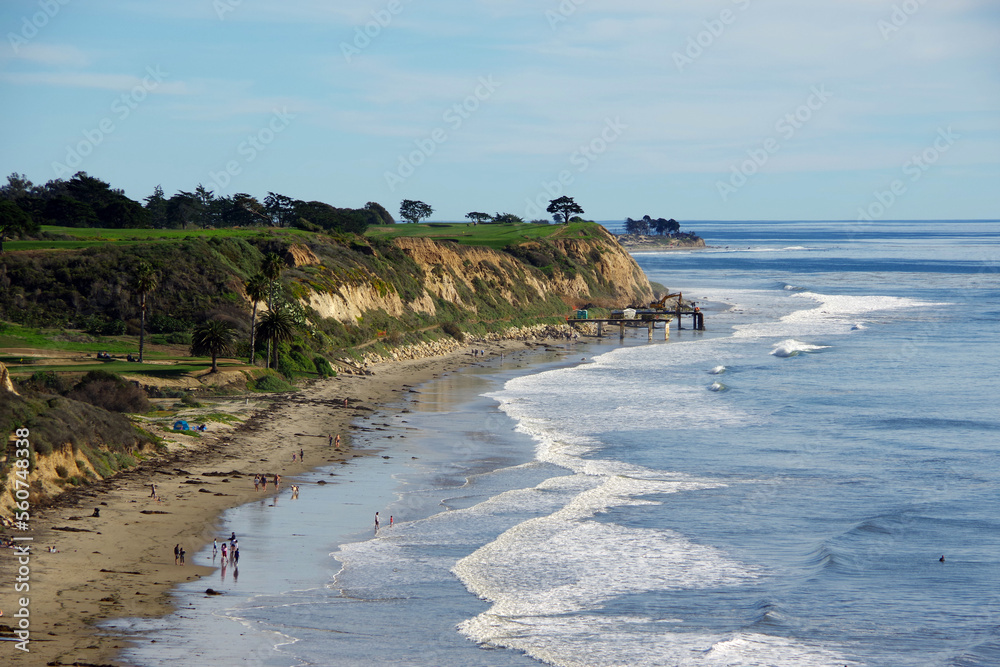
column 491, row 235
column 73, row 340
column 60, row 343
column 85, row 237
column 155, row 370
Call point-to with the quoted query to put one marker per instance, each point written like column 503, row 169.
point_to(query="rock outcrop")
column 300, row 255
column 6, row 385
column 577, row 271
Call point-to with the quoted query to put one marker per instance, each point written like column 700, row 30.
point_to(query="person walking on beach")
column 390, row 521
column 277, row 481
column 376, row 522
column 263, row 482
column 215, row 548
column 256, row 482
column 336, row 444
column 177, row 553
column 302, row 456
column 182, row 555
column 223, row 554
column 152, row 493
column 236, row 558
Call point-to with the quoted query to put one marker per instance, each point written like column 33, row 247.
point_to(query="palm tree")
column 214, row 338
column 257, row 289
column 145, row 282
column 276, row 326
column 271, row 268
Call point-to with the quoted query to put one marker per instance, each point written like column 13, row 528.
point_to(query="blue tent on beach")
column 181, row 425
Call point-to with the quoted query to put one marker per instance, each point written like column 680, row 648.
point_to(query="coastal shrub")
column 123, row 460
column 61, row 471
column 46, row 382
column 111, row 392
column 163, row 324
column 323, row 367
column 189, row 401
column 114, row 328
column 269, row 382
column 452, row 330
column 178, row 338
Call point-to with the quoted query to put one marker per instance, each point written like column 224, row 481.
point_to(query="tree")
column 324, row 216
column 18, row 187
column 414, row 211
column 565, row 207
column 156, row 208
column 182, row 208
column 214, row 338
column 507, row 219
column 385, row 218
column 14, row 222
column 209, row 208
column 145, row 282
column 280, row 209
column 241, row 210
column 257, row 290
column 277, row 326
column 478, row 218
column 271, row 269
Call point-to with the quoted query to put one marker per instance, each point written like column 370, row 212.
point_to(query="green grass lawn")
column 490, row 235
column 14, row 335
column 119, row 367
column 85, row 237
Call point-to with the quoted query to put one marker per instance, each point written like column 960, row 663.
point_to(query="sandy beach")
column 121, row 564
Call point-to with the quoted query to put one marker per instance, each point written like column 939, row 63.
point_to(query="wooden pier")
column 643, row 319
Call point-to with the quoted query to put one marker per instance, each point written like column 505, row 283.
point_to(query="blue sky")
column 719, row 109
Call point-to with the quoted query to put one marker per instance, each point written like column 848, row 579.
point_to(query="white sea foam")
column 717, row 386
column 718, row 370
column 591, row 640
column 792, row 348
column 826, row 315
column 560, row 563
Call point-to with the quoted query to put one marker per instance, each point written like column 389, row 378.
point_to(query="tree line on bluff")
column 86, row 201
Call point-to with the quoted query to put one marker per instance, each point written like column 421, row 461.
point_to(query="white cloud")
column 115, row 82
column 65, row 55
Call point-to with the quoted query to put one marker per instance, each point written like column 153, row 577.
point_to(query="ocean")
column 778, row 489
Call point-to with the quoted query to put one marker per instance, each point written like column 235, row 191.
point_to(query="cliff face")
column 562, row 273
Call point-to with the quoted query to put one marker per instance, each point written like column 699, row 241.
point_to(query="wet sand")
column 121, row 564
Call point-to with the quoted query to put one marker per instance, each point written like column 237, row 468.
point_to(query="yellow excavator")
column 662, row 303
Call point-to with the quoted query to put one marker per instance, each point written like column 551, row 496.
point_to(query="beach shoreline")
column 120, row 564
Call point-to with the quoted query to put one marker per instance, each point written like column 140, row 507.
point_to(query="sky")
column 690, row 109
